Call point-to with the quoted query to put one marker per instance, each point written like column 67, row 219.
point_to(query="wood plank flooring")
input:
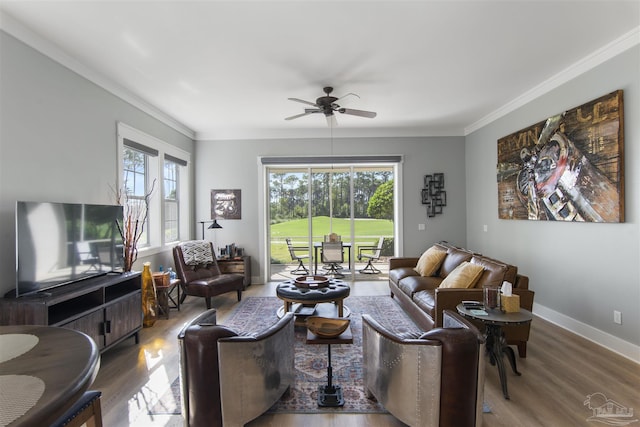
column 560, row 371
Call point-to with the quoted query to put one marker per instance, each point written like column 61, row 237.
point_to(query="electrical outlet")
column 420, row 227
column 485, row 228
column 617, row 317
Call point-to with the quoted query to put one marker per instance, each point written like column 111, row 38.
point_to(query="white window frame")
column 155, row 167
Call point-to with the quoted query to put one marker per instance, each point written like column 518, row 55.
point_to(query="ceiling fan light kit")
column 327, row 105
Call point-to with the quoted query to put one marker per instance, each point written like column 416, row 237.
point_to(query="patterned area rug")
column 311, row 360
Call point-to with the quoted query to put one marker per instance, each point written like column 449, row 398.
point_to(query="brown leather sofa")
column 198, row 270
column 433, row 379
column 423, row 299
column 229, row 378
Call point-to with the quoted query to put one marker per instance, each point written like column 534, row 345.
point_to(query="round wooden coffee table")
column 335, row 291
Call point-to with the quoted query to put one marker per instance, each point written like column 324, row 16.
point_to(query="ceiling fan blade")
column 307, row 111
column 297, row 116
column 349, row 94
column 302, row 101
column 360, row 113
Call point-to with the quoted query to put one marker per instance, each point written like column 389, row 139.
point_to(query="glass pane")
column 288, row 219
column 373, row 217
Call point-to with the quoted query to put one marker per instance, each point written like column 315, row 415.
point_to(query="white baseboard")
column 608, row 341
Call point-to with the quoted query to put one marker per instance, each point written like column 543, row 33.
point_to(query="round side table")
column 493, row 321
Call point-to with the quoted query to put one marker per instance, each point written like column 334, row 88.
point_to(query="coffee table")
column 331, row 394
column 336, row 291
column 497, row 345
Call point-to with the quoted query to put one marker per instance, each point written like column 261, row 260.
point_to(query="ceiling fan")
column 327, row 105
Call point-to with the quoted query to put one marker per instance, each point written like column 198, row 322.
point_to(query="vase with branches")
column 131, row 229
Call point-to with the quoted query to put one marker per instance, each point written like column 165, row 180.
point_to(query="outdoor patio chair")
column 332, row 256
column 374, row 255
column 300, row 269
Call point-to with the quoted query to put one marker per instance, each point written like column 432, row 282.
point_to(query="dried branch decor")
column 131, row 229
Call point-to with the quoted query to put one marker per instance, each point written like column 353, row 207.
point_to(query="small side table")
column 497, row 346
column 330, row 394
column 166, row 301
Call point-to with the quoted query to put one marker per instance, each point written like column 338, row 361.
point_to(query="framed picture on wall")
column 226, row 204
column 569, row 167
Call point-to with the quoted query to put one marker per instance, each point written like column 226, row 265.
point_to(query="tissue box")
column 511, row 303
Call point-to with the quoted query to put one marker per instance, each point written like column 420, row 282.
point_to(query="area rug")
column 311, row 360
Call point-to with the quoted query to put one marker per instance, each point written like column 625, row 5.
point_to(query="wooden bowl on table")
column 327, row 327
column 312, row 282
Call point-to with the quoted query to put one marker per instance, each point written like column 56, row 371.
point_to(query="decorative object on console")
column 149, row 301
column 433, row 194
column 569, row 168
column 136, row 211
column 226, row 204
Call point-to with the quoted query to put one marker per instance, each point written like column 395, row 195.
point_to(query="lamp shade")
column 215, row 224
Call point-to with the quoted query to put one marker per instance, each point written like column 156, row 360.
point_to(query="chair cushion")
column 464, row 276
column 430, row 261
column 197, row 252
column 412, row 284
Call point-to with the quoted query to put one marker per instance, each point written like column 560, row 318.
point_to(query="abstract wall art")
column 569, row 167
column 226, row 204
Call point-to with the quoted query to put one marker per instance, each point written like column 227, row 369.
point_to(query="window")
column 147, row 163
column 135, row 186
column 171, row 203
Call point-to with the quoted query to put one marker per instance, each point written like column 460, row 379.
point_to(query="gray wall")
column 58, row 139
column 234, row 165
column 581, row 273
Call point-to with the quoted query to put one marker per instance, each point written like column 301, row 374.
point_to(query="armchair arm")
column 390, row 373
column 255, row 371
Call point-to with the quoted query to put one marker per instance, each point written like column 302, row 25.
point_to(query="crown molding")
column 610, row 50
column 14, row 28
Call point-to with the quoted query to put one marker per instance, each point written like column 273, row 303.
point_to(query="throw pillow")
column 430, row 261
column 463, row 276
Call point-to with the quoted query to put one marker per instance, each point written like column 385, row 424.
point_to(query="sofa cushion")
column 430, row 261
column 511, row 273
column 397, row 274
column 412, row 284
column 464, row 276
column 453, row 259
column 494, row 272
column 426, row 300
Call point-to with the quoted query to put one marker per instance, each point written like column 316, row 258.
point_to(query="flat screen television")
column 61, row 243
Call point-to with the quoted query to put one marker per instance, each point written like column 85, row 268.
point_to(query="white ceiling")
column 224, row 69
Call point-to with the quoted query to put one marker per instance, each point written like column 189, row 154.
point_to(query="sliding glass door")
column 308, row 202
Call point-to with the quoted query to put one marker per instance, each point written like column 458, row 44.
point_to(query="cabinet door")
column 92, row 325
column 123, row 317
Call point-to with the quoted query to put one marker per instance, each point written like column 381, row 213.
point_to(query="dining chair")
column 332, row 256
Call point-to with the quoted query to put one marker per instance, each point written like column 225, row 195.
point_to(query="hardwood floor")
column 560, row 371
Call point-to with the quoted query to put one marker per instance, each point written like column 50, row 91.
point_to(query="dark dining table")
column 318, row 245
column 47, row 369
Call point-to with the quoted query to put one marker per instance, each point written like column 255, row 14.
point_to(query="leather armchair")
column 434, row 379
column 229, row 378
column 201, row 276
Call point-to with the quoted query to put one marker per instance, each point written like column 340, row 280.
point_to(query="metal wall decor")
column 433, row 194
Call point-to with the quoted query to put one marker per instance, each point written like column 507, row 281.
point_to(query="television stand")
column 108, row 308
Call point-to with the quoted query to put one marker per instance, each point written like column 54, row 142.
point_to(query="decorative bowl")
column 327, row 327
column 312, row 282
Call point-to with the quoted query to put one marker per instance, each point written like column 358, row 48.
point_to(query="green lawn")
column 367, row 233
